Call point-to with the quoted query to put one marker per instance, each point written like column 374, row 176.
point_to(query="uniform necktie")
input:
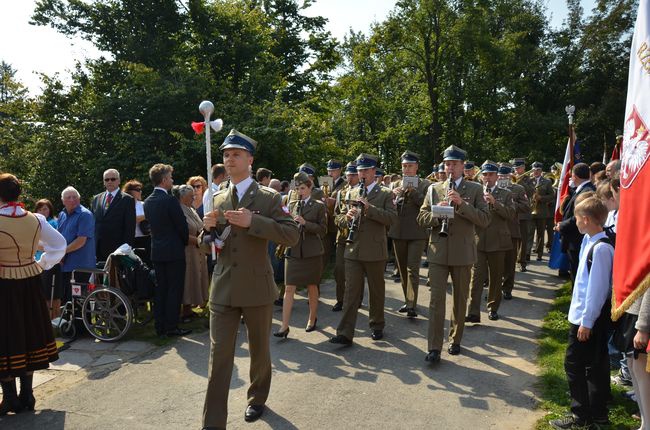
column 234, row 197
column 109, row 199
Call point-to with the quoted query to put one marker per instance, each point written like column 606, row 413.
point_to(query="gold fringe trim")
column 638, row 292
column 20, row 272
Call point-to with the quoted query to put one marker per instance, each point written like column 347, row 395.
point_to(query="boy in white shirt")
column 587, row 362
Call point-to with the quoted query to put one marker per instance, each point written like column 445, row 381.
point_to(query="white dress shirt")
column 242, row 187
column 53, row 242
column 591, row 288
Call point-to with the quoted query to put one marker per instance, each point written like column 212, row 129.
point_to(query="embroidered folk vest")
column 19, row 238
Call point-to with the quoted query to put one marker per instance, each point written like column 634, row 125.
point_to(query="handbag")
column 145, row 228
column 624, row 332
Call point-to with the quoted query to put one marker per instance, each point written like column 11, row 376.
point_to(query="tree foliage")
column 490, row 76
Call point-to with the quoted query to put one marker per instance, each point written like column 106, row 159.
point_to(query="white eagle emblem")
column 635, row 148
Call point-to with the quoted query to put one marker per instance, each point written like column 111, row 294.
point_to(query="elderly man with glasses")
column 114, row 213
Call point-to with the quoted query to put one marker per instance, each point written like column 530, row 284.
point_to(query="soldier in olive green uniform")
column 493, row 242
column 242, row 281
column 452, row 254
column 525, row 220
column 334, row 168
column 542, row 197
column 408, row 237
column 469, row 171
column 366, row 252
column 342, row 233
column 316, row 193
column 522, row 208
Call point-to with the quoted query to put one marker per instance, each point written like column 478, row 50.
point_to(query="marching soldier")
column 469, row 171
column 522, row 208
column 342, row 233
column 329, row 240
column 525, row 220
column 542, row 197
column 242, row 281
column 316, row 193
column 452, row 252
column 408, row 237
column 441, row 175
column 493, row 242
column 379, row 175
column 367, row 213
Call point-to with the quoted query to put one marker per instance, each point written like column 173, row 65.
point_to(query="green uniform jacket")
column 243, row 275
column 370, row 242
column 310, row 243
column 529, row 186
column 459, row 248
column 546, row 196
column 496, row 236
column 406, row 227
column 522, row 207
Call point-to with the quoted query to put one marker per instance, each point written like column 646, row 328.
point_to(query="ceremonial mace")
column 207, row 108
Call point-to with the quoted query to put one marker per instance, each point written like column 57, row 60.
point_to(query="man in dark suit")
column 169, row 236
column 569, row 234
column 114, row 213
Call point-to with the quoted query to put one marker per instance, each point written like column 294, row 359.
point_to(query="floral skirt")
column 26, row 334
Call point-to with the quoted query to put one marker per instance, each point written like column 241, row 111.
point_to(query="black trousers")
column 170, row 276
column 587, row 369
column 574, row 259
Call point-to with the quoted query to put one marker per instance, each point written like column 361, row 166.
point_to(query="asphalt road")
column 317, row 385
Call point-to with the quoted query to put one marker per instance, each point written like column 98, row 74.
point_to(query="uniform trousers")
column 540, row 230
column 224, row 324
column 550, row 225
column 408, row 254
column 355, row 271
column 509, row 263
column 488, row 266
column 523, row 245
column 339, row 272
column 460, row 277
column 329, row 247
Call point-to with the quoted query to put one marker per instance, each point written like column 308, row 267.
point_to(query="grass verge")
column 553, row 384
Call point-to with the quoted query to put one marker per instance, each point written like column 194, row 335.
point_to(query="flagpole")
column 207, row 108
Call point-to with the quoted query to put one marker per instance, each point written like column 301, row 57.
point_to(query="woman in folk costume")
column 304, row 261
column 26, row 337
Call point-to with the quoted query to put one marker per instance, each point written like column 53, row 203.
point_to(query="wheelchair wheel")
column 68, row 329
column 107, row 314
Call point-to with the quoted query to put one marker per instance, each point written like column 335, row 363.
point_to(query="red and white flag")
column 567, row 167
column 631, row 276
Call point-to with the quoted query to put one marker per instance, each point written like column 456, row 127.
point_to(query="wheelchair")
column 108, row 311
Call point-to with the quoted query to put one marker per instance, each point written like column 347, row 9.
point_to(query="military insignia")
column 635, row 148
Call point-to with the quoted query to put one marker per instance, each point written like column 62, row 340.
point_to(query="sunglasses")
column 110, row 179
column 197, row 186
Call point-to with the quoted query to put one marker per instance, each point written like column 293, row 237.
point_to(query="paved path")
column 316, row 385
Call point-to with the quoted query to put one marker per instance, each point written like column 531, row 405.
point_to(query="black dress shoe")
column 522, row 268
column 311, row 327
column 507, row 295
column 253, row 412
column 179, row 332
column 411, row 313
column 527, row 257
column 377, row 334
column 337, row 307
column 341, row 340
column 493, row 315
column 433, row 356
column 453, row 349
column 539, row 258
column 283, row 334
column 473, row 318
column 404, row 309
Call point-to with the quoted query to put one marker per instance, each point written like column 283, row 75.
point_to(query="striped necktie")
column 109, row 199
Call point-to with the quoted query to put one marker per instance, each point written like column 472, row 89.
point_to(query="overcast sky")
column 32, row 50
